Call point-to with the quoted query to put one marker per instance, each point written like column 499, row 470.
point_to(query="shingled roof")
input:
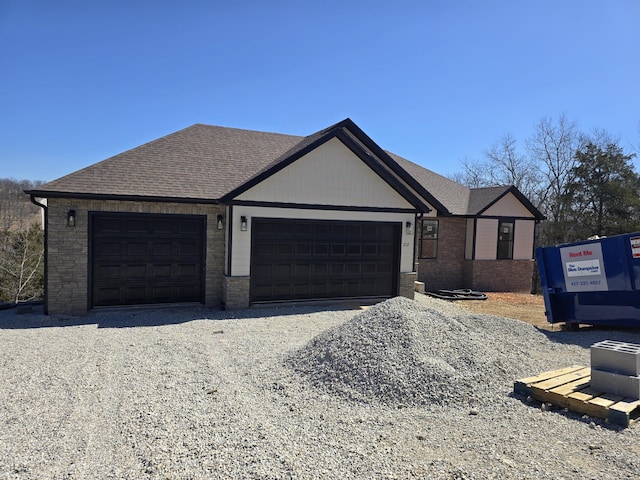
column 207, row 163
column 201, row 162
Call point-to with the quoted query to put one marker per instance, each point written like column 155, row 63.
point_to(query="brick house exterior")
column 228, row 217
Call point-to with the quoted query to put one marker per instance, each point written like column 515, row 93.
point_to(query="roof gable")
column 330, row 174
column 483, row 201
column 354, row 139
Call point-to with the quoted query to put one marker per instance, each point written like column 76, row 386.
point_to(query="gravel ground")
column 400, row 390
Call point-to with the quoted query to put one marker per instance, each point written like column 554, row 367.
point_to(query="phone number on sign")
column 586, row 283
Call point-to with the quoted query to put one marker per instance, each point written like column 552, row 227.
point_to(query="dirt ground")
column 521, row 306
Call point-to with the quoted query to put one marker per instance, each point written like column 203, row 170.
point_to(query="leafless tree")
column 552, row 149
column 21, row 259
column 21, row 243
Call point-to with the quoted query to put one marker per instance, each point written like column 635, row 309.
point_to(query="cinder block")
column 616, row 384
column 616, row 357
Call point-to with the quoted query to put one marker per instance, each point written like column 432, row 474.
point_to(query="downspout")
column 45, row 209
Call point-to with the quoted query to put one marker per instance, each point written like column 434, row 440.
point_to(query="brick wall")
column 447, row 270
column 235, row 292
column 67, row 280
column 499, row 275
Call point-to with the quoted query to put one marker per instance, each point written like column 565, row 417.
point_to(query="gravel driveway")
column 198, row 393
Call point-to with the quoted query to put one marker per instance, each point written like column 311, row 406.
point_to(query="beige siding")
column 523, row 240
column 486, row 239
column 241, row 250
column 508, row 206
column 329, row 175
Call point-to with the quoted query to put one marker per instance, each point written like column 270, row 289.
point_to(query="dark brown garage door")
column 300, row 259
column 146, row 259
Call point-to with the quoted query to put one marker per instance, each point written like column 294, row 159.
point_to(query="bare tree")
column 507, row 166
column 21, row 259
column 21, row 243
column 551, row 149
column 503, row 165
column 473, row 174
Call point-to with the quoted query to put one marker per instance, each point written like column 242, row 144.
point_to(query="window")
column 505, row 239
column 429, row 239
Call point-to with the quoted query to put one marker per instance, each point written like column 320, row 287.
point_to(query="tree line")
column 584, row 183
column 21, row 243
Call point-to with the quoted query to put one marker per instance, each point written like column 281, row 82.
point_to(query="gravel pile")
column 277, row 393
column 401, row 352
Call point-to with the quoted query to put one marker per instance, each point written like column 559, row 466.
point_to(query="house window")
column 429, row 239
column 505, row 239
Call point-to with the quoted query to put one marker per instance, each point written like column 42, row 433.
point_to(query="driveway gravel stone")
column 400, row 390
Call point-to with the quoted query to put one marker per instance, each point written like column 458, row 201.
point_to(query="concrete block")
column 615, row 383
column 616, row 357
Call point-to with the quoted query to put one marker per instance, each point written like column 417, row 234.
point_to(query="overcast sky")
column 432, row 81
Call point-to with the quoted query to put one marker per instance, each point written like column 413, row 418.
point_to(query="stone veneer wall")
column 67, row 280
column 406, row 286
column 499, row 275
column 447, row 270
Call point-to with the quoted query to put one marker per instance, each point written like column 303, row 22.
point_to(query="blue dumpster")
column 595, row 282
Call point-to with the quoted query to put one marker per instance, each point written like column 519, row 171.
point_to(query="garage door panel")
column 302, row 269
column 107, row 296
column 354, row 268
column 136, row 249
column 384, row 267
column 263, row 270
column 320, row 268
column 370, row 249
column 337, row 269
column 188, row 248
column 161, row 271
column 319, row 290
column 187, row 271
column 136, row 272
column 303, row 249
column 321, row 249
column 150, row 259
column 264, row 249
column 110, row 272
column 164, row 226
column 302, row 259
column 369, row 268
column 108, row 248
column 155, row 249
column 283, row 249
column 108, row 225
column 135, row 294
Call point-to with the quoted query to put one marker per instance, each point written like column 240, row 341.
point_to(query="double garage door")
column 146, row 259
column 311, row 259
column 141, row 259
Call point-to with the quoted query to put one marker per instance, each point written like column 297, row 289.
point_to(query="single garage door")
column 303, row 259
column 146, row 259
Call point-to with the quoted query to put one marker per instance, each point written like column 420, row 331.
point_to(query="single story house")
column 229, row 217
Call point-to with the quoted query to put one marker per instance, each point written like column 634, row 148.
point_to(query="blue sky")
column 433, row 81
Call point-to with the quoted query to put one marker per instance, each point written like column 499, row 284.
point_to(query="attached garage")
column 229, row 218
column 140, row 259
column 312, row 259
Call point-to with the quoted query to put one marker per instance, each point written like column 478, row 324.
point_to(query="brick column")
column 235, row 292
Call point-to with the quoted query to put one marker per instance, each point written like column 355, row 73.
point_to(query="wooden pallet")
column 570, row 388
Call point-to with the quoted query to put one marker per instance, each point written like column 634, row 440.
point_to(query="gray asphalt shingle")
column 204, row 162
